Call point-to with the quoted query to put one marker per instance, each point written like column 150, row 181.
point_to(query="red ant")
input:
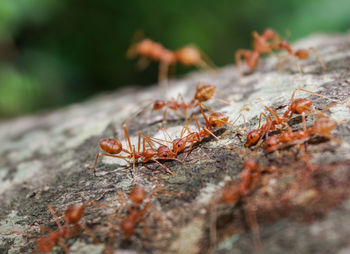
column 322, row 127
column 113, row 147
column 213, row 121
column 299, row 54
column 72, row 216
column 189, row 55
column 297, row 106
column 136, row 214
column 203, row 93
column 262, row 44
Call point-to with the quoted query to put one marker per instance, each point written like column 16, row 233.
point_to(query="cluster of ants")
column 266, row 43
column 275, row 133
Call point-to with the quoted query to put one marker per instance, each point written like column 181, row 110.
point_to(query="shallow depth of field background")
column 56, row 52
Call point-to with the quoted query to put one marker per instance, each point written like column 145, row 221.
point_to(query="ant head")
column 323, row 126
column 301, row 105
column 74, row 213
column 137, row 194
column 144, row 47
column 268, row 34
column 111, row 145
column 302, row 53
column 158, row 104
column 164, row 152
column 252, row 137
column 128, row 228
column 204, row 92
column 217, row 120
column 251, row 164
column 189, row 55
column 271, row 143
column 178, row 145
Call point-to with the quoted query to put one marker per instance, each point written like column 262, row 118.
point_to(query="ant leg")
column 219, row 140
column 89, row 233
column 208, row 61
column 317, row 94
column 163, row 166
column 64, row 246
column 303, row 121
column 137, row 113
column 281, row 61
column 250, row 211
column 53, row 214
column 164, row 116
column 109, row 155
column 163, row 73
column 123, row 200
column 324, row 67
column 204, row 116
column 238, row 55
column 232, row 125
column 298, row 66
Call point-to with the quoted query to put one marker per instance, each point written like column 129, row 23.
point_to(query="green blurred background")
column 55, row 52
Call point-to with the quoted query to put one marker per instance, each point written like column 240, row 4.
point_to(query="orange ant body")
column 72, row 216
column 300, row 54
column 189, row 55
column 262, row 44
column 112, row 147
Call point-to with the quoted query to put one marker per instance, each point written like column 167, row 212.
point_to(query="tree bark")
column 291, row 209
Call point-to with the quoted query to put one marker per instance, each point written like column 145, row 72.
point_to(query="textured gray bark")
column 44, row 159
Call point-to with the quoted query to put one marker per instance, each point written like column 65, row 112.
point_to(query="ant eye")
column 251, row 136
column 179, row 145
column 165, row 155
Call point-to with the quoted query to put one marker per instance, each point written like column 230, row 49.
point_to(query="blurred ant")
column 71, row 227
column 136, row 213
column 262, row 44
column 189, row 55
column 113, row 147
column 299, row 54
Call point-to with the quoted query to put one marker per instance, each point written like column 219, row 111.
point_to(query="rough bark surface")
column 44, row 159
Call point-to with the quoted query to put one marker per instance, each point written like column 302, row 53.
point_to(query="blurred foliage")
column 54, row 52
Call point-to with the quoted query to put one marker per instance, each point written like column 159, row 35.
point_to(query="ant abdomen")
column 111, row 145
